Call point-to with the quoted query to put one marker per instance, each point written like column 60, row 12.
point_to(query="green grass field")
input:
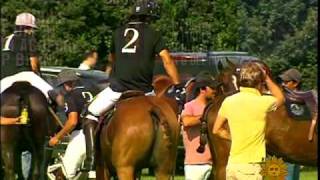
column 306, row 173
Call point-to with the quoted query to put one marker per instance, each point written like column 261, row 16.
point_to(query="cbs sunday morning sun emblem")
column 274, row 169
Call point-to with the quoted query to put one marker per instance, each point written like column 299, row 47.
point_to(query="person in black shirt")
column 132, row 58
column 19, row 56
column 75, row 98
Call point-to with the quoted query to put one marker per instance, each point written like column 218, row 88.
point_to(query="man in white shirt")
column 90, row 60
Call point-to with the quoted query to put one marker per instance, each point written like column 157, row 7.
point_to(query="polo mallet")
column 55, row 117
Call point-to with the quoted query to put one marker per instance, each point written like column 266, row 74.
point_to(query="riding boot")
column 89, row 127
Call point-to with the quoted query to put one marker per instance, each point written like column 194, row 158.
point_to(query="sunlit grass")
column 306, row 173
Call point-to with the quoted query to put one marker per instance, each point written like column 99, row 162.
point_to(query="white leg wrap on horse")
column 103, row 102
column 27, row 76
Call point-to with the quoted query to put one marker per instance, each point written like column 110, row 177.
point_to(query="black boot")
column 89, row 127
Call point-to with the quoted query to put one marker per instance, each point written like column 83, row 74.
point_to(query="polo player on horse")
column 133, row 49
column 19, row 58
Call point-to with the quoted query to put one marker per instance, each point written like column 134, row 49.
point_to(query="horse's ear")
column 230, row 63
column 220, row 66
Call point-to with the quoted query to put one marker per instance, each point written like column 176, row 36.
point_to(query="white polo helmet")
column 26, row 19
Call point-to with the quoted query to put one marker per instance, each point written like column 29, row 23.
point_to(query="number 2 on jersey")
column 126, row 48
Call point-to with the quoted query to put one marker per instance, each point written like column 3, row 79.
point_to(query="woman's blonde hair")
column 251, row 75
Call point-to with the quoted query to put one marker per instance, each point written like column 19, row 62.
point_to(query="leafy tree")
column 281, row 32
column 284, row 33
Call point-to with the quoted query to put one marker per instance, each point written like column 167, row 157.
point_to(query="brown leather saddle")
column 131, row 94
column 302, row 105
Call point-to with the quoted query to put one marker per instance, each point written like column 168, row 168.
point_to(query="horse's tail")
column 22, row 89
column 204, row 129
column 160, row 120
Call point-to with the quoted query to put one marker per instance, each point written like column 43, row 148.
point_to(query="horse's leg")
column 162, row 174
column 36, row 161
column 102, row 171
column 125, row 173
column 38, row 168
column 36, row 134
column 165, row 158
column 8, row 156
column 165, row 167
column 18, row 165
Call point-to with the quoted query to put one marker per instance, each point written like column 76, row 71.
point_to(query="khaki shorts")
column 243, row 172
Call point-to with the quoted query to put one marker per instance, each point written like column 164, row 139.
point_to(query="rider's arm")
column 69, row 125
column 8, row 121
column 188, row 117
column 169, row 66
column 188, row 120
column 35, row 64
column 111, row 59
column 34, row 54
column 218, row 128
column 275, row 91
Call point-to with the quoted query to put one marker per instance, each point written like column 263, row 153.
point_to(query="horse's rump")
column 16, row 138
column 22, row 91
column 137, row 126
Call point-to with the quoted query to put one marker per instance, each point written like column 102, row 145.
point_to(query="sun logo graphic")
column 274, row 169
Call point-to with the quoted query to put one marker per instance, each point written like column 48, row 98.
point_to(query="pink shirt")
column 191, row 137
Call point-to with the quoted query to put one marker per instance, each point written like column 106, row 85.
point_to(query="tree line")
column 283, row 33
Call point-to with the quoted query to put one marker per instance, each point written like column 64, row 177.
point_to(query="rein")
column 204, row 127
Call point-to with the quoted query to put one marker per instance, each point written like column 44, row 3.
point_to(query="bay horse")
column 143, row 132
column 285, row 138
column 17, row 138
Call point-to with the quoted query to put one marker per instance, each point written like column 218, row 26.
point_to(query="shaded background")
column 281, row 32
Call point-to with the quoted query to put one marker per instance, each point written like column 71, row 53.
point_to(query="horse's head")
column 160, row 84
column 229, row 76
column 163, row 88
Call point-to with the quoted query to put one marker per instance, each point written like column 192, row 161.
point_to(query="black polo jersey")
column 16, row 51
column 135, row 46
column 75, row 101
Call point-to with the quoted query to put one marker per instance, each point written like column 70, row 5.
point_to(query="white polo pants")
column 28, row 76
column 197, row 171
column 104, row 101
column 75, row 153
